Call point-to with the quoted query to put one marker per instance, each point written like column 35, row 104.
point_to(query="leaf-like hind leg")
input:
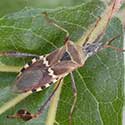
column 56, row 25
column 26, row 115
column 75, row 97
column 17, row 54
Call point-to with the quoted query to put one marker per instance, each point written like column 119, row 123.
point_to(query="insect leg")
column 46, row 104
column 107, row 45
column 56, row 25
column 17, row 54
column 115, row 48
column 75, row 97
column 91, row 30
column 26, row 115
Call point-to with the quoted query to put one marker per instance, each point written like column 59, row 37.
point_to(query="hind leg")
column 26, row 115
column 75, row 98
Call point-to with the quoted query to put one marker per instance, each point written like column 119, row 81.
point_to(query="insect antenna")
column 107, row 45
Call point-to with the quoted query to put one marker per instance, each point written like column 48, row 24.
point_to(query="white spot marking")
column 54, row 76
column 40, row 57
column 39, row 89
column 51, row 72
column 25, row 111
column 47, row 85
column 33, row 60
column 45, row 62
column 54, row 80
column 26, row 66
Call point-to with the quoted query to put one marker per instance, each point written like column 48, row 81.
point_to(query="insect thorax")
column 76, row 53
column 91, row 48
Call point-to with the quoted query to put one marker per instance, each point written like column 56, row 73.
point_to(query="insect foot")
column 23, row 114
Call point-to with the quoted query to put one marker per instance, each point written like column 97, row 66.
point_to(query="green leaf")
column 99, row 82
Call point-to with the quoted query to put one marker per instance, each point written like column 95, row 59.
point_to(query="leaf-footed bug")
column 45, row 70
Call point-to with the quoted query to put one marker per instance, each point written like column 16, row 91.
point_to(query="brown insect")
column 45, row 70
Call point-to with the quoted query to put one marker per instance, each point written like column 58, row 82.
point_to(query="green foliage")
column 99, row 82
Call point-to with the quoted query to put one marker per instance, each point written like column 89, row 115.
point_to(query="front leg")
column 53, row 22
column 26, row 115
column 17, row 54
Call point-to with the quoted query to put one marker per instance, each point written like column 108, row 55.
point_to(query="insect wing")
column 28, row 80
column 35, row 76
